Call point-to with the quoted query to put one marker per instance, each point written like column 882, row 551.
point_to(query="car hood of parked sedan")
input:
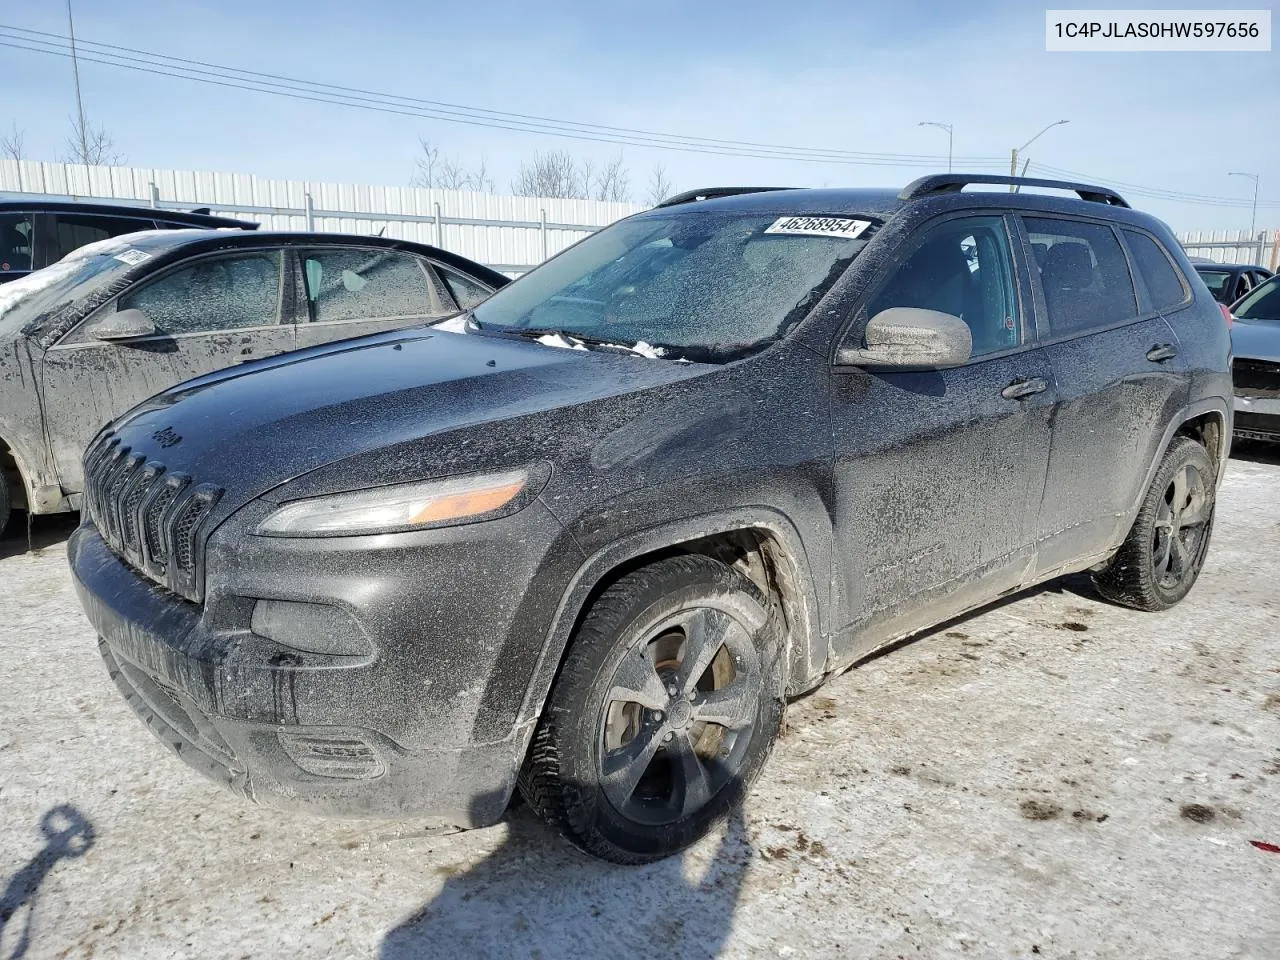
column 1256, row 339
column 253, row 427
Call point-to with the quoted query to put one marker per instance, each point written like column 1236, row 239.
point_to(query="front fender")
column 808, row 652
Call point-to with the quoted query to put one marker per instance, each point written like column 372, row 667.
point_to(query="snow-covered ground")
column 1053, row 777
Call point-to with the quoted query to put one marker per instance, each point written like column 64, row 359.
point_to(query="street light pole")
column 1253, row 217
column 1013, row 159
column 940, row 126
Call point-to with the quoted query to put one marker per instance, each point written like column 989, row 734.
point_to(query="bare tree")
column 553, row 174
column 92, row 146
column 446, row 173
column 659, row 187
column 11, row 144
column 612, row 183
column 427, row 173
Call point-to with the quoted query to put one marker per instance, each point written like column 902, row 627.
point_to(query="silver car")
column 1255, row 342
column 114, row 322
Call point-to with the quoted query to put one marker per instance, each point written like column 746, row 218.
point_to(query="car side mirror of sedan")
column 122, row 325
column 910, row 338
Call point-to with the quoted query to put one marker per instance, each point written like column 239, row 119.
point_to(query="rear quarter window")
column 1083, row 274
column 1164, row 285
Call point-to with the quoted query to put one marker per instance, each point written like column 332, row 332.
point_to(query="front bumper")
column 424, row 727
column 1257, row 418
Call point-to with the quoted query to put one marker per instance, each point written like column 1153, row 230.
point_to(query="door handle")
column 1162, row 352
column 1024, row 388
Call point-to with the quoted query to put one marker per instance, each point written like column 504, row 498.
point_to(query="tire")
column 677, row 764
column 1160, row 559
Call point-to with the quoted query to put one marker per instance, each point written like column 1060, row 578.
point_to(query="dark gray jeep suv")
column 588, row 537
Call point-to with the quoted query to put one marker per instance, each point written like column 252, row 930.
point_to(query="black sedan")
column 118, row 320
column 1228, row 282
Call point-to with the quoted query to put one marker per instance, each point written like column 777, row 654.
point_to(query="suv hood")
column 253, row 427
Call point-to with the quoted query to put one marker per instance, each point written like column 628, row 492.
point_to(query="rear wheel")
column 1159, row 561
column 668, row 703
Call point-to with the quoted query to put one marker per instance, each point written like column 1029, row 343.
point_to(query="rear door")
column 1120, row 379
column 210, row 312
column 938, row 474
column 353, row 291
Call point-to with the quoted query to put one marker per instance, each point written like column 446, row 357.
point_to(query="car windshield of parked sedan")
column 26, row 303
column 1262, row 304
column 709, row 287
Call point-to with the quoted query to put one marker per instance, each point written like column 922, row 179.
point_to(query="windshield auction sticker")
column 1171, row 31
column 844, row 227
column 133, row 257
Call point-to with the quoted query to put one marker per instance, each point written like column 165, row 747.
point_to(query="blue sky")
column 839, row 75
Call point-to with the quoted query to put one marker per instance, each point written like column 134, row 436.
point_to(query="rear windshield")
column 700, row 286
column 29, row 302
column 1262, row 304
column 1215, row 280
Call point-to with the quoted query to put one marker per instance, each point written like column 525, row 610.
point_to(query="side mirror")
column 911, row 338
column 122, row 325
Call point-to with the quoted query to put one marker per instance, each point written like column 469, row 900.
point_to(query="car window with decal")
column 704, row 286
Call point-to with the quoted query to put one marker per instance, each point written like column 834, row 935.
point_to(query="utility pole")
column 940, row 126
column 1013, row 159
column 75, row 69
column 1253, row 217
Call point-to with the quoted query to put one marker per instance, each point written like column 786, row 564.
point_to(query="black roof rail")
column 711, row 193
column 955, row 182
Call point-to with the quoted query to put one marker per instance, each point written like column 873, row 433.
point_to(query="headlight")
column 409, row 506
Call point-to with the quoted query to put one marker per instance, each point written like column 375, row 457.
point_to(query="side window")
column 466, row 292
column 215, row 293
column 962, row 267
column 1244, row 283
column 367, row 284
column 1084, row 275
column 1164, row 285
column 73, row 230
column 17, row 231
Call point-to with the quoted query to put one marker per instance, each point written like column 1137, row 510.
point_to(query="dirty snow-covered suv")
column 587, row 538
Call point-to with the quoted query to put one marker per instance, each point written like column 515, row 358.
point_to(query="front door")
column 353, row 291
column 938, row 474
column 209, row 313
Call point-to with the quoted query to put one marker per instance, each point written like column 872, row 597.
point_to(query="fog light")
column 310, row 628
column 341, row 756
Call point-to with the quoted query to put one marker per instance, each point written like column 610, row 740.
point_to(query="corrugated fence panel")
column 511, row 233
column 1234, row 246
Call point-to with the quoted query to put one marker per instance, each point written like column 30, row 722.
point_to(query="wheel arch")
column 768, row 548
column 1208, row 422
column 12, row 463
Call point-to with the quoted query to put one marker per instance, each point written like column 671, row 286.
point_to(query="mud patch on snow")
column 1197, row 813
column 1039, row 810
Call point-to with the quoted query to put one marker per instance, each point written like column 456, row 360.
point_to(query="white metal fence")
column 511, row 234
column 1234, row 246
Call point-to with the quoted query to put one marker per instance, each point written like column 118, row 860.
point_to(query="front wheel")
column 666, row 707
column 1159, row 561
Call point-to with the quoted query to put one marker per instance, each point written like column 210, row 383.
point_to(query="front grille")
column 152, row 518
column 1256, row 378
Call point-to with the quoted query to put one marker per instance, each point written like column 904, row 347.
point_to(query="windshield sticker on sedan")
column 133, row 257
column 844, row 227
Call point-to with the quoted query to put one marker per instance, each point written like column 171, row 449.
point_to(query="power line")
column 321, row 93
column 1155, row 193
column 316, row 86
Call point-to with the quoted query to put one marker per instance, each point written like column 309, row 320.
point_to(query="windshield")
column 699, row 286
column 1262, row 304
column 76, row 276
